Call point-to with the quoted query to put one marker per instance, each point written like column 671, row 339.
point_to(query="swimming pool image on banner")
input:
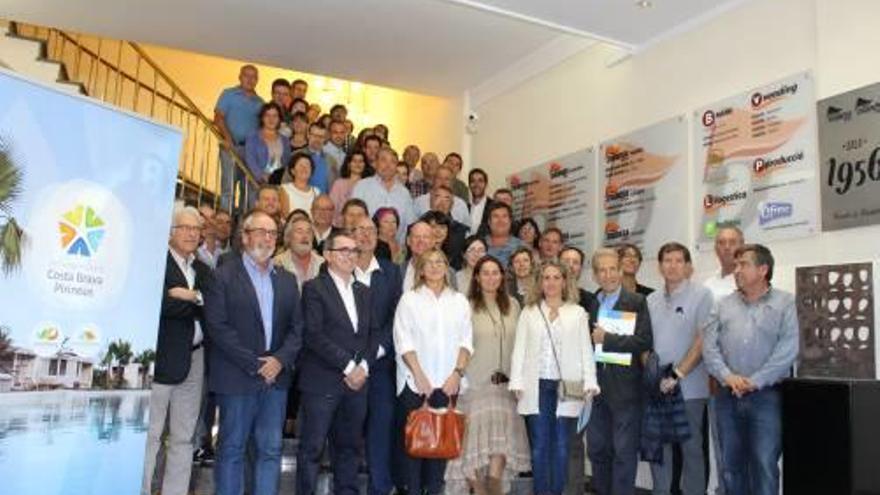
column 86, row 193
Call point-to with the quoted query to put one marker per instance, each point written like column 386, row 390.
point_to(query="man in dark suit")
column 255, row 327
column 179, row 372
column 441, row 204
column 614, row 428
column 336, row 360
column 384, row 280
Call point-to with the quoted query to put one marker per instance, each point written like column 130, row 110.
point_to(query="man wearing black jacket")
column 338, row 352
column 614, row 428
column 180, row 365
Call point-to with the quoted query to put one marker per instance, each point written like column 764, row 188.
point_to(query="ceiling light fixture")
column 644, row 4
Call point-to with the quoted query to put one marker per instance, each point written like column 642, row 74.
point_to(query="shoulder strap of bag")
column 550, row 336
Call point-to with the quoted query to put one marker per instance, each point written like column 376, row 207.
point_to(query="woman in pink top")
column 354, row 168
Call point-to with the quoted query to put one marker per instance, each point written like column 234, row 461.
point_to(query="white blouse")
column 436, row 329
column 297, row 199
column 548, row 369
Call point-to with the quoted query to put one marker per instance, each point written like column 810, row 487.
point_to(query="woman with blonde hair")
column 495, row 444
column 433, row 344
column 552, row 372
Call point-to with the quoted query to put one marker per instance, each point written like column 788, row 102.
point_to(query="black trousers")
column 340, row 418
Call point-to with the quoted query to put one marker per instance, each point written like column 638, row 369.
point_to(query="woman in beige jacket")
column 552, row 346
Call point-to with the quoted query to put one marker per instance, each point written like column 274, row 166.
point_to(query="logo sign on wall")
column 558, row 193
column 756, row 160
column 849, row 144
column 643, row 173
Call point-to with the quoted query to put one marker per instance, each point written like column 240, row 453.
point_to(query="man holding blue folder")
column 614, row 427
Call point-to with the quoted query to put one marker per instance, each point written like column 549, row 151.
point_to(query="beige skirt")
column 493, row 428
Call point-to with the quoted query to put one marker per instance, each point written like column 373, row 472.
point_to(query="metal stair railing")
column 122, row 74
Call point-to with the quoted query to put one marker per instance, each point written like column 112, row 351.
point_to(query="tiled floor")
column 203, row 477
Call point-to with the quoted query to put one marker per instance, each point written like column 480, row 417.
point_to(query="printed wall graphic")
column 756, row 162
column 559, row 193
column 835, row 305
column 643, row 175
column 84, row 218
column 849, row 144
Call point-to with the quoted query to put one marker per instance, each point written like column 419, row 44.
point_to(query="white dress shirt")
column 477, row 215
column 189, row 272
column 435, row 328
column 365, row 277
column 346, row 291
column 720, row 286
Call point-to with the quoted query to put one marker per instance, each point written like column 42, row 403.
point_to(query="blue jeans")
column 751, row 438
column 260, row 416
column 550, row 436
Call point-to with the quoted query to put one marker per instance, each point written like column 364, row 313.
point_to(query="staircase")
column 120, row 73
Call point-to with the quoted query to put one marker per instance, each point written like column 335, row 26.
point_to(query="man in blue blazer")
column 255, row 328
column 384, row 280
column 338, row 354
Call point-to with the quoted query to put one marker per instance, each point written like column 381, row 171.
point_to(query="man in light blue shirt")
column 335, row 146
column 236, row 115
column 383, row 189
column 678, row 314
column 750, row 347
column 325, row 169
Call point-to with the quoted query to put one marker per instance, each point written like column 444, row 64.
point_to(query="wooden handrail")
column 185, row 105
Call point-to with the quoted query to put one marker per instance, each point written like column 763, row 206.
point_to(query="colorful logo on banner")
column 82, row 231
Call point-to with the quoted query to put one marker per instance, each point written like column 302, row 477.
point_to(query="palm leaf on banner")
column 11, row 243
column 11, row 178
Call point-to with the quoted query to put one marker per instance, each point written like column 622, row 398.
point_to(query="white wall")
column 582, row 101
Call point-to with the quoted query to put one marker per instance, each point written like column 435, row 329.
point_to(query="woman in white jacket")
column 551, row 354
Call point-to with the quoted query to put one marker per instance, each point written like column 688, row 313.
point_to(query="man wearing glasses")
column 180, row 366
column 255, row 326
column 338, row 352
column 383, row 278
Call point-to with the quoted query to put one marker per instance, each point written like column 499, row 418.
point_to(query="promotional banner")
column 559, row 193
column 849, row 144
column 835, row 305
column 643, row 175
column 85, row 208
column 756, row 162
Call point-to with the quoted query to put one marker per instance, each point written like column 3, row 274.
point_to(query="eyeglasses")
column 476, row 250
column 271, row 234
column 346, row 251
column 189, row 229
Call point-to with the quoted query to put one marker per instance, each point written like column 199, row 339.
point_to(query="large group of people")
column 360, row 286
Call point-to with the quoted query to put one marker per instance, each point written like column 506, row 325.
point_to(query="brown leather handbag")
column 435, row 433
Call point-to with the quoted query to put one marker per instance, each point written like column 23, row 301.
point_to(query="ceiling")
column 440, row 47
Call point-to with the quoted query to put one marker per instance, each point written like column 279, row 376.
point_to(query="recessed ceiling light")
column 644, row 4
